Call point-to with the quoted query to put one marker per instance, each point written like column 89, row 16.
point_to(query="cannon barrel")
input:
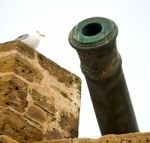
column 95, row 42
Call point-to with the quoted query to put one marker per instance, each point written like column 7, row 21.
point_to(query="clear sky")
column 55, row 18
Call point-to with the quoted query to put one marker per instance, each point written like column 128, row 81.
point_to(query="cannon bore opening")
column 92, row 29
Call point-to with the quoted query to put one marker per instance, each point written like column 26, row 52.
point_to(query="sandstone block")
column 6, row 139
column 39, row 100
column 13, row 93
column 15, row 63
column 36, row 114
column 18, row 46
column 16, row 126
column 124, row 138
column 56, row 71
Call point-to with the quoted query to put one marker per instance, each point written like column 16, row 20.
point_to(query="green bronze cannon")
column 95, row 42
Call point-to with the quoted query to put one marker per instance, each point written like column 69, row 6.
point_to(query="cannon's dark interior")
column 92, row 29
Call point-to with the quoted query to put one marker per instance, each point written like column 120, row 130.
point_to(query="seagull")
column 31, row 39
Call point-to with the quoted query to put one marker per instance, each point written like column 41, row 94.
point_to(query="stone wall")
column 39, row 100
column 125, row 138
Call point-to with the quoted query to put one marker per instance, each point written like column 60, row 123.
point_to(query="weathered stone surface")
column 17, row 46
column 6, row 139
column 68, row 78
column 18, row 65
column 124, row 138
column 16, row 126
column 13, row 93
column 36, row 114
column 36, row 103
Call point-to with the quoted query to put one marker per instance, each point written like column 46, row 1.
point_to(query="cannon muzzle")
column 95, row 42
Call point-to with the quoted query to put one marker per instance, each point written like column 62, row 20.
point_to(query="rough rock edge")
column 6, row 139
column 124, row 138
column 30, row 52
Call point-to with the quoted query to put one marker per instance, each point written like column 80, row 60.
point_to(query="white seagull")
column 32, row 40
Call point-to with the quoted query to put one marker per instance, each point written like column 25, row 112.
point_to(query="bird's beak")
column 40, row 34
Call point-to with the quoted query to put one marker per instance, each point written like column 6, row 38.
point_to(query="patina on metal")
column 95, row 41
